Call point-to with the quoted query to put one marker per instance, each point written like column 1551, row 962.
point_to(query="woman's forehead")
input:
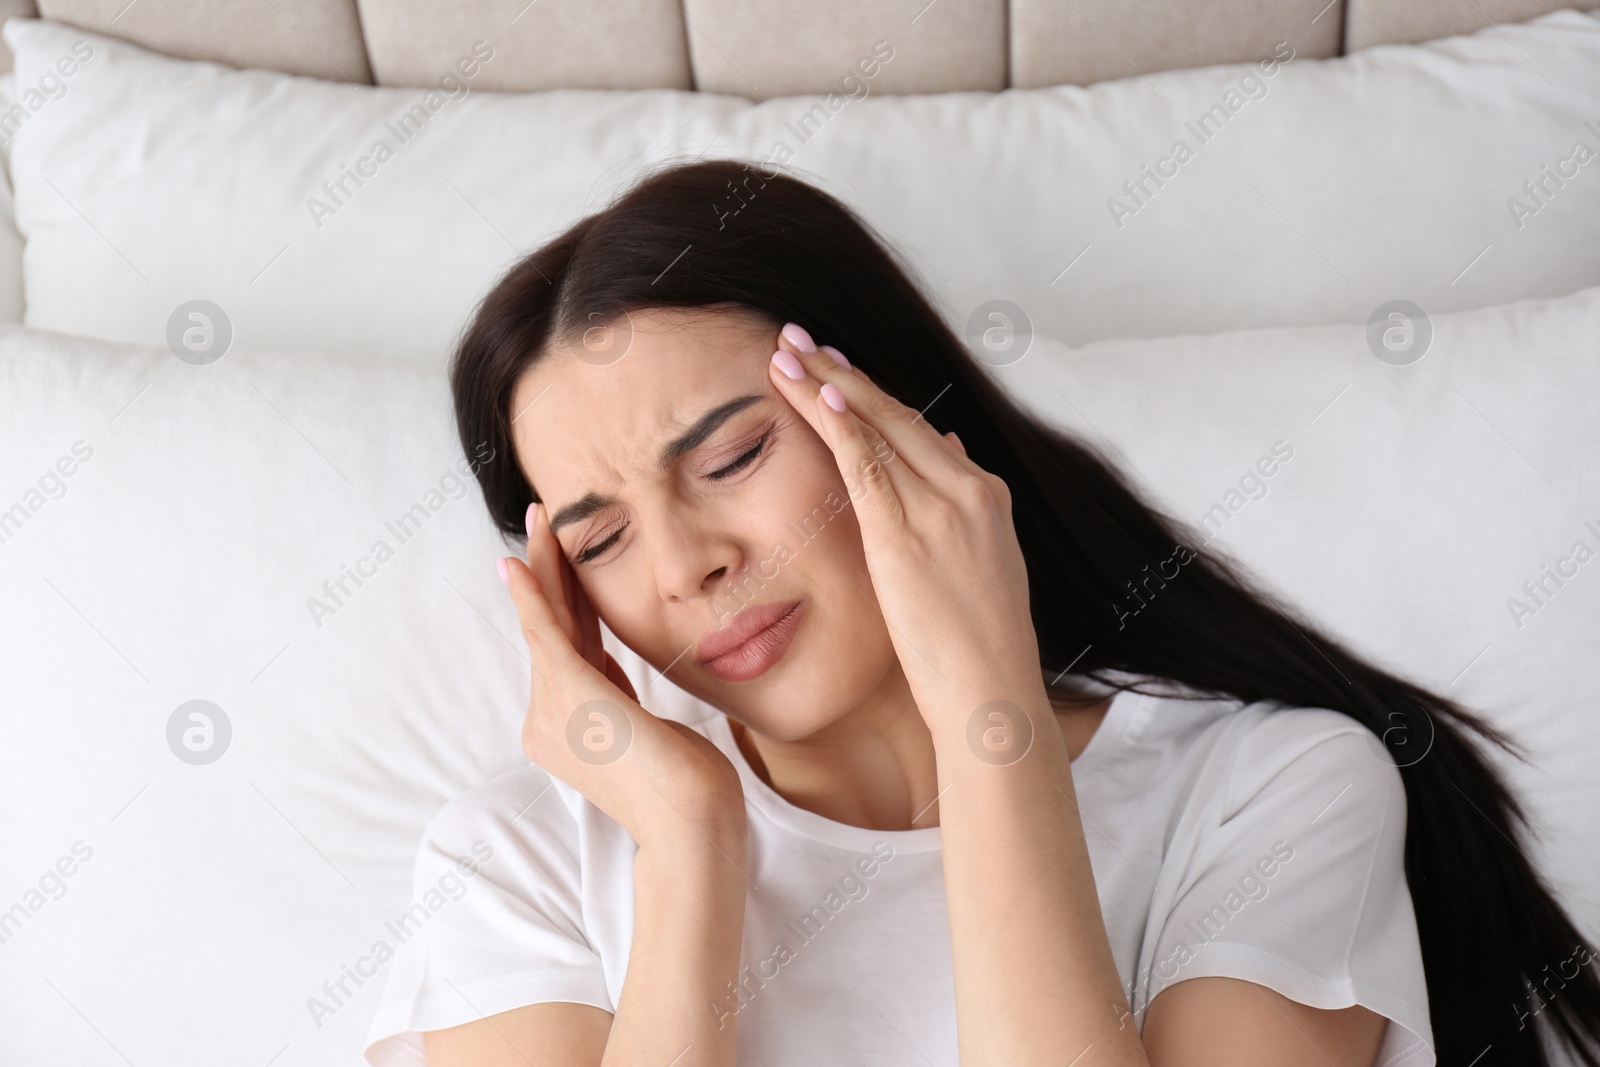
column 643, row 348
column 572, row 417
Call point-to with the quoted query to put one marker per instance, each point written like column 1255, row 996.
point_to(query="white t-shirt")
column 1231, row 840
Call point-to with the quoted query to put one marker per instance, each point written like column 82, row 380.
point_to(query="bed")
column 225, row 313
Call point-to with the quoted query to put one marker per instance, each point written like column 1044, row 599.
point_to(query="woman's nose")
column 694, row 563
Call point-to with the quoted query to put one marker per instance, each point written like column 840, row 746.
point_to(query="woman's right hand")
column 651, row 775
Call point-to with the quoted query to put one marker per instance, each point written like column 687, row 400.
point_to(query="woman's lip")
column 757, row 653
column 744, row 625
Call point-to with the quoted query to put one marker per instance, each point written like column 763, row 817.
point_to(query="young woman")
column 1005, row 771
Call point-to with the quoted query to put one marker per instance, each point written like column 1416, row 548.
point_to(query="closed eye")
column 733, row 468
column 590, row 553
column 743, row 460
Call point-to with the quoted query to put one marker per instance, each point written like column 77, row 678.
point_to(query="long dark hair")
column 725, row 232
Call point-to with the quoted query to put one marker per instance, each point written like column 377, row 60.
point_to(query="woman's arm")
column 681, row 801
column 688, row 925
column 1035, row 980
column 674, row 1007
column 1225, row 1022
column 1034, row 976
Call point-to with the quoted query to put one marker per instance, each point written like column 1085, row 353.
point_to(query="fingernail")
column 957, row 440
column 798, row 337
column 788, row 364
column 529, row 519
column 838, row 356
column 505, row 571
column 835, row 399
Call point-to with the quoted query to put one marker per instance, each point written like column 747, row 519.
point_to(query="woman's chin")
column 783, row 714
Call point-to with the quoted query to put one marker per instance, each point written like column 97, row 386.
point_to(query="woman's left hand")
column 947, row 571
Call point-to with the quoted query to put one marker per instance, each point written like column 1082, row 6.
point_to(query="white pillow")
column 10, row 258
column 1406, row 507
column 177, row 524
column 1333, row 186
column 166, row 531
column 10, row 240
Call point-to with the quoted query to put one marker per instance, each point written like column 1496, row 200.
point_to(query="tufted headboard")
column 765, row 48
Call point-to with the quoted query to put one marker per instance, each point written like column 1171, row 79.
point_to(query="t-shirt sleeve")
column 1289, row 871
column 494, row 921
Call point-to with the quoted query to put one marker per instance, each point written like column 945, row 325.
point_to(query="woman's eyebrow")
column 676, row 449
column 703, row 428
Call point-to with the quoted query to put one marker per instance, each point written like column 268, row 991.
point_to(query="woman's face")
column 680, row 502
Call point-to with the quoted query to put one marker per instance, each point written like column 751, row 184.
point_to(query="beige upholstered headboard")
column 764, row 48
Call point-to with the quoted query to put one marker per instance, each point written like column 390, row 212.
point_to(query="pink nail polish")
column 788, row 364
column 530, row 518
column 798, row 337
column 835, row 399
column 505, row 570
column 838, row 356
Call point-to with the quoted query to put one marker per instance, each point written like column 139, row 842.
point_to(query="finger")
column 958, row 450
column 874, row 476
column 569, row 580
column 592, row 647
column 548, row 646
column 864, row 459
column 997, row 485
column 868, row 468
column 795, row 339
column 793, row 380
column 907, row 432
column 544, row 560
column 592, row 643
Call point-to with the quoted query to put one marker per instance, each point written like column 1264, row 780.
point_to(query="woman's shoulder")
column 523, row 807
column 527, row 803
column 1282, row 862
column 1272, row 764
column 1240, row 754
column 1279, row 750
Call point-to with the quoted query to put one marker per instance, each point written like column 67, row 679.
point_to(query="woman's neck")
column 876, row 768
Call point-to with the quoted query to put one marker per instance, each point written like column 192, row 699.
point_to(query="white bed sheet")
column 185, row 555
